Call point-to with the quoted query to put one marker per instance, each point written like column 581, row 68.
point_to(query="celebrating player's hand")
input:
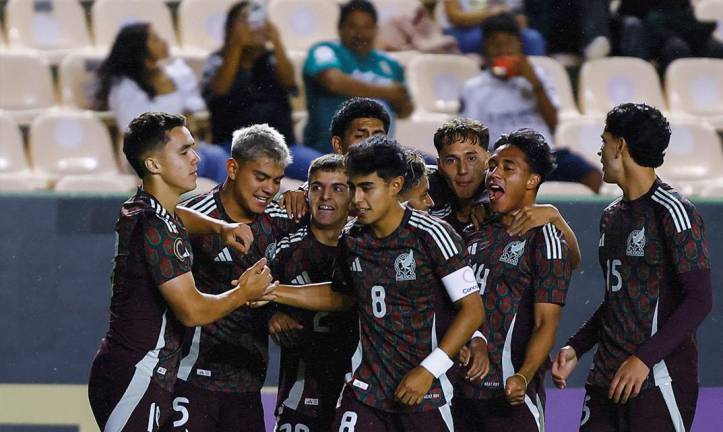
column 237, row 236
column 628, row 380
column 414, row 386
column 295, row 203
column 533, row 216
column 256, row 281
column 515, row 389
column 563, row 366
column 284, row 330
column 475, row 357
column 477, row 215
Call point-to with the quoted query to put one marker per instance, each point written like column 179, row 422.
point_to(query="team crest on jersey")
column 405, row 266
column 270, row 252
column 180, row 250
column 513, row 252
column 636, row 243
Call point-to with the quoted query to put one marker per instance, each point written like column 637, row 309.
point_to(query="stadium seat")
column 71, row 142
column 694, row 154
column 436, row 81
column 417, row 132
column 714, row 189
column 201, row 24
column 302, row 23
column 561, row 80
column 196, row 60
column 404, row 57
column 53, row 27
column 710, row 10
column 695, row 86
column 15, row 172
column 26, row 97
column 610, row 81
column 110, row 15
column 96, row 183
column 387, row 9
column 582, row 136
column 77, row 76
column 557, row 188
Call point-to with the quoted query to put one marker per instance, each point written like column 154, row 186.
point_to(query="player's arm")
column 315, row 297
column 194, row 308
column 580, row 343
column 235, row 235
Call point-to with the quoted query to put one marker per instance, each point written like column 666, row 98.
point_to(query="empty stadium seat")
column 582, row 136
column 557, row 188
column 714, row 189
column 561, row 81
column 77, row 76
column 15, row 172
column 417, row 132
column 695, row 86
column 694, row 153
column 610, row 81
column 54, row 27
column 404, row 57
column 201, row 24
column 71, row 142
column 387, row 9
column 110, row 15
column 304, row 22
column 26, row 97
column 710, row 10
column 96, row 183
column 436, row 81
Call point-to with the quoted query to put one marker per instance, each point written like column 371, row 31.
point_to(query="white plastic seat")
column 581, row 135
column 714, row 189
column 611, row 81
column 387, row 9
column 71, row 142
column 302, row 23
column 94, row 183
column 110, row 15
column 78, row 79
column 561, row 81
column 695, row 86
column 417, row 132
column 694, row 153
column 26, row 85
column 552, row 188
column 15, row 172
column 196, row 60
column 436, row 81
column 201, row 24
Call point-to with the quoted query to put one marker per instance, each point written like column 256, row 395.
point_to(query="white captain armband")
column 437, row 363
column 460, row 283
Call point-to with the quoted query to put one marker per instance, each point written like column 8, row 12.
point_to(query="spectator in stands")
column 246, row 83
column 134, row 79
column 419, row 31
column 665, row 30
column 336, row 71
column 511, row 94
column 466, row 16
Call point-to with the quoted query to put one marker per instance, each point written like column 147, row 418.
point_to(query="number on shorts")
column 585, row 411
column 154, row 415
column 379, row 308
column 178, row 407
column 318, row 326
column 286, row 427
column 348, row 420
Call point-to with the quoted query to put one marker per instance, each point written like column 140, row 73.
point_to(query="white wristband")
column 478, row 334
column 437, row 363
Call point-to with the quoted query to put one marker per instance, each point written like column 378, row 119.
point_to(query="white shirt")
column 505, row 106
column 127, row 100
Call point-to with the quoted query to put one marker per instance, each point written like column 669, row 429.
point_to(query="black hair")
column 356, row 5
column 147, row 133
column 127, row 58
column 461, row 129
column 378, row 154
column 354, row 108
column 538, row 155
column 416, row 170
column 644, row 128
column 500, row 23
column 231, row 15
column 328, row 163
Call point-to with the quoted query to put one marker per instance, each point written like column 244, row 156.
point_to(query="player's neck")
column 328, row 236
column 528, row 200
column 388, row 223
column 162, row 192
column 233, row 208
column 636, row 182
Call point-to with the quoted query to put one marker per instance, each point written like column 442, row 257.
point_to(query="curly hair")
column 537, row 152
column 644, row 128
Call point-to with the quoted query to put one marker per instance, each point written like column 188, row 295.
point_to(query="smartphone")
column 506, row 66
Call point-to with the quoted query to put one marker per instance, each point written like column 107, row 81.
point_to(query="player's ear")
column 152, row 165
column 231, row 168
column 621, row 145
column 533, row 181
column 336, row 145
column 397, row 183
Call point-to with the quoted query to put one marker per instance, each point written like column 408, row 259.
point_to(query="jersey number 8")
column 379, row 308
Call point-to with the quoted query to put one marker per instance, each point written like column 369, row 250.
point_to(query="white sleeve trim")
column 478, row 334
column 460, row 283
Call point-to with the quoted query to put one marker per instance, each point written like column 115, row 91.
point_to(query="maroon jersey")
column 514, row 273
column 152, row 248
column 231, row 353
column 312, row 373
column 646, row 246
column 402, row 284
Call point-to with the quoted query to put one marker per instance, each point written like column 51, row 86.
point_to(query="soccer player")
column 222, row 374
column 154, row 293
column 312, row 368
column 524, row 280
column 415, row 192
column 406, row 272
column 656, row 264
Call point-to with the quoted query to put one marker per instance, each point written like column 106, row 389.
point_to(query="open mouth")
column 495, row 192
column 325, row 208
column 262, row 199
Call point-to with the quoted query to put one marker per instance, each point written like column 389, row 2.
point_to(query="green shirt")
column 374, row 68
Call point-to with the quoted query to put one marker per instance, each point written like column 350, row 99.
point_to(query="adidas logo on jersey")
column 405, row 266
column 356, row 266
column 223, row 256
column 636, row 243
column 513, row 251
column 301, row 279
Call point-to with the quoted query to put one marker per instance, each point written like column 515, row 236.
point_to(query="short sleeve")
column 167, row 252
column 684, row 237
column 321, row 58
column 552, row 266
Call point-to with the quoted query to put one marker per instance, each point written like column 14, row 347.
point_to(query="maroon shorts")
column 125, row 398
column 354, row 416
column 289, row 420
column 197, row 409
column 497, row 415
column 664, row 408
